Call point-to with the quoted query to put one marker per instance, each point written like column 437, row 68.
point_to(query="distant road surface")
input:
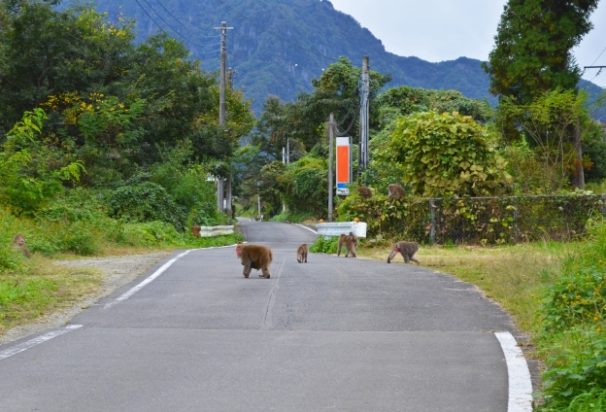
column 335, row 334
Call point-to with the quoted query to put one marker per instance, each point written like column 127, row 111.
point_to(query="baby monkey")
column 406, row 249
column 19, row 244
column 302, row 253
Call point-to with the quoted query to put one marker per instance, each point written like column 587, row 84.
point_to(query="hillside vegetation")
column 278, row 47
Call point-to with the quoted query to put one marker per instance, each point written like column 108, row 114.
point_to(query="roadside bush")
column 574, row 330
column 79, row 238
column 325, row 244
column 577, row 297
column 576, row 377
column 205, row 214
column 73, row 206
column 149, row 234
column 145, row 202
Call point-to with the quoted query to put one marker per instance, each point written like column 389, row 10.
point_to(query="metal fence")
column 489, row 220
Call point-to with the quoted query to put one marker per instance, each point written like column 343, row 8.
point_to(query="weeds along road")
column 333, row 334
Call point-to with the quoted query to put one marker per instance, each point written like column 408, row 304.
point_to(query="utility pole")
column 331, row 144
column 222, row 112
column 364, row 114
column 223, row 71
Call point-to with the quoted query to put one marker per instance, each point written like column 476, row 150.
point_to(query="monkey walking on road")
column 349, row 241
column 406, row 249
column 254, row 257
column 302, row 253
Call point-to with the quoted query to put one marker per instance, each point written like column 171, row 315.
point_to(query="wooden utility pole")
column 331, row 144
column 223, row 71
column 223, row 81
column 364, row 114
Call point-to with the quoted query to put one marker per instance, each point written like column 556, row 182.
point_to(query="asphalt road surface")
column 335, row 334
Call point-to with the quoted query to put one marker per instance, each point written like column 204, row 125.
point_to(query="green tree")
column 445, row 154
column 271, row 187
column 51, row 53
column 552, row 124
column 533, row 47
column 30, row 173
column 305, row 186
column 406, row 100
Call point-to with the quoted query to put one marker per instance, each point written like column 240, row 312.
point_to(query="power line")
column 180, row 23
column 161, row 18
column 599, row 55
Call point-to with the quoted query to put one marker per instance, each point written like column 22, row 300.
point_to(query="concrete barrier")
column 338, row 228
column 207, row 231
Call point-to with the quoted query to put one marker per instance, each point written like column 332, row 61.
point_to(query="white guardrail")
column 338, row 228
column 207, row 231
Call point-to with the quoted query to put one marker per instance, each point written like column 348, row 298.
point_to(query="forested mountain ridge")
column 276, row 47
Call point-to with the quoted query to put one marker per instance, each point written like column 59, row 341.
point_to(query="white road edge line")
column 520, row 385
column 7, row 353
column 146, row 281
column 154, row 275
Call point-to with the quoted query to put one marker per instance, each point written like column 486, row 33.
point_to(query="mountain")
column 276, row 47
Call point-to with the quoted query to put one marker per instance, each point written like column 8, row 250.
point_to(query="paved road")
column 334, row 334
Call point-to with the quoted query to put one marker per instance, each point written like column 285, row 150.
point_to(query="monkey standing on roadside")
column 195, row 230
column 406, row 249
column 349, row 241
column 365, row 192
column 395, row 191
column 254, row 257
column 19, row 243
column 302, row 253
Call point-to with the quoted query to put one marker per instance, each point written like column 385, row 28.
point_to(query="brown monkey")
column 365, row 192
column 195, row 230
column 349, row 241
column 302, row 253
column 19, row 243
column 395, row 191
column 254, row 257
column 406, row 249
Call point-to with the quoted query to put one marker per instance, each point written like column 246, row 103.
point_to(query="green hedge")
column 476, row 220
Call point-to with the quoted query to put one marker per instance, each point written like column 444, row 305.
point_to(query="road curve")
column 337, row 334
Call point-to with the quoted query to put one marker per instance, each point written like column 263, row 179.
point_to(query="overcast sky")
column 438, row 30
